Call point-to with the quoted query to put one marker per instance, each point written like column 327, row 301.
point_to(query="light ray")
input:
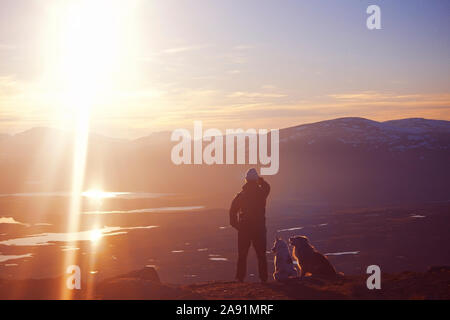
column 84, row 50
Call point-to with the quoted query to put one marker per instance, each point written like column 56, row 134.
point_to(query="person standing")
column 248, row 217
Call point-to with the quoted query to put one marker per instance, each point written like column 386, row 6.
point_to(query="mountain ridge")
column 35, row 130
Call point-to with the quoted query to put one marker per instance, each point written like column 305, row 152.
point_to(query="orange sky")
column 138, row 66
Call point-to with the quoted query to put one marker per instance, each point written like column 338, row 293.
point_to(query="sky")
column 136, row 67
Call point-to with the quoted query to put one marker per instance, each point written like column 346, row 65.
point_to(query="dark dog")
column 309, row 259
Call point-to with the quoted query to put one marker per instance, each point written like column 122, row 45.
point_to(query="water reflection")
column 88, row 235
column 218, row 259
column 69, row 248
column 93, row 194
column 341, row 253
column 4, row 258
column 290, row 229
column 10, row 220
column 96, row 235
column 148, row 210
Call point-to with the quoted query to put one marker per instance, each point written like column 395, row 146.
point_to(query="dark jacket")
column 248, row 208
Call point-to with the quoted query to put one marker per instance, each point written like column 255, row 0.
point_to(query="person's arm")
column 234, row 209
column 265, row 187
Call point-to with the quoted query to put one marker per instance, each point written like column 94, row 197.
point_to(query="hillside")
column 406, row 285
column 433, row 284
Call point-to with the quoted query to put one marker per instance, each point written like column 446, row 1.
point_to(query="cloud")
column 391, row 98
column 242, row 94
column 7, row 46
column 270, row 109
column 243, row 47
column 8, row 85
column 261, row 111
column 268, row 87
column 183, row 49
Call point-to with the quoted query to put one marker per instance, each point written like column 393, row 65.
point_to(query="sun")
column 87, row 49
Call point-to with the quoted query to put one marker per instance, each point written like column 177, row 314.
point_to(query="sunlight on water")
column 93, row 194
column 4, row 258
column 341, row 253
column 290, row 229
column 10, row 220
column 69, row 248
column 218, row 259
column 96, row 235
column 88, row 235
column 148, row 210
column 98, row 194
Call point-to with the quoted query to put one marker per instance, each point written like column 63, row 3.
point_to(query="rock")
column 143, row 284
column 147, row 273
column 129, row 288
column 434, row 269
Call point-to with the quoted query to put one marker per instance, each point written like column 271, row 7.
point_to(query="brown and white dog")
column 309, row 259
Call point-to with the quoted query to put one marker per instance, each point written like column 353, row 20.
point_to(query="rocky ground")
column 145, row 284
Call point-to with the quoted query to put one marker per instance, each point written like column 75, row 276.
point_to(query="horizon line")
column 94, row 132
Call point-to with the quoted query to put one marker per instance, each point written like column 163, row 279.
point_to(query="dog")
column 284, row 266
column 309, row 259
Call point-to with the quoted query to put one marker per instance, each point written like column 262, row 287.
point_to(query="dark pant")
column 257, row 238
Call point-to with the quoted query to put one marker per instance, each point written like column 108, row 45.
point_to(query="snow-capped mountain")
column 396, row 135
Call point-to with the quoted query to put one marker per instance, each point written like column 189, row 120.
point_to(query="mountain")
column 359, row 160
column 340, row 161
column 395, row 135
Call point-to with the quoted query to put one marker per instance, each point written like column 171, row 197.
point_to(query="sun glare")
column 97, row 194
column 84, row 45
column 89, row 45
column 95, row 235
